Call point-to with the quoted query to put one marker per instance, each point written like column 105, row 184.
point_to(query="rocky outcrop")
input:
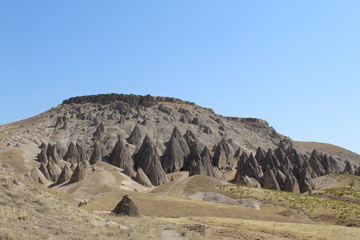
column 65, row 175
column 120, row 157
column 61, row 122
column 315, row 163
column 164, row 109
column 44, row 171
column 247, row 181
column 248, row 166
column 148, row 160
column 291, row 184
column 48, row 152
column 38, row 176
column 270, row 181
column 75, row 154
column 132, row 100
column 348, row 168
column 304, row 184
column 71, row 154
column 99, row 132
column 207, row 130
column 142, row 178
column 176, row 153
column 135, row 137
column 97, row 154
column 194, row 147
column 54, row 170
column 127, row 207
column 330, row 164
column 78, row 174
column 204, row 166
column 224, row 156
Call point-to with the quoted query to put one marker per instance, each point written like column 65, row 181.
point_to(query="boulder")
column 127, row 207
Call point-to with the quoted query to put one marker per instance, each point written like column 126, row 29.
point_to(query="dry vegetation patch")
column 317, row 208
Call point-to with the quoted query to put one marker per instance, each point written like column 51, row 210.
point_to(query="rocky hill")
column 172, row 153
column 149, row 137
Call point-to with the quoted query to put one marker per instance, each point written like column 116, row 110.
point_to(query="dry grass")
column 14, row 158
column 254, row 229
column 30, row 211
column 291, row 204
column 153, row 205
column 200, row 183
column 4, row 135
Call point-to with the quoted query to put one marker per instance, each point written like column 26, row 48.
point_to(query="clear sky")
column 295, row 64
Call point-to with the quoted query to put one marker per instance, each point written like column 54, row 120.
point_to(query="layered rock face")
column 134, row 100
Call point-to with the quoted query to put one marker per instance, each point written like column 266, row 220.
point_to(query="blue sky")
column 295, row 64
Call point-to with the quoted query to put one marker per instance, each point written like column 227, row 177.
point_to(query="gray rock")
column 37, row 176
column 135, row 137
column 291, row 184
column 148, row 160
column 120, row 157
column 44, row 171
column 247, row 181
column 142, row 178
column 127, row 207
column 224, row 156
column 270, row 181
column 348, row 168
column 97, row 154
column 65, row 175
column 176, row 153
column 315, row 163
column 78, row 174
column 75, row 153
